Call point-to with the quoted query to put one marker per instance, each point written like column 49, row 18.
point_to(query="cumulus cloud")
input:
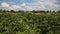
column 41, row 4
column 4, row 4
column 23, row 4
column 35, row 5
column 14, row 7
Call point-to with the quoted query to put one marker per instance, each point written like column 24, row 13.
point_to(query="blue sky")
column 30, row 4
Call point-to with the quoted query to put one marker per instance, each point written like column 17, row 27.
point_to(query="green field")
column 29, row 23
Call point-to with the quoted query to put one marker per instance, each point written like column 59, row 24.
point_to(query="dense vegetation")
column 34, row 22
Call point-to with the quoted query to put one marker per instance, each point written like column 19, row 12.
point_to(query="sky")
column 30, row 4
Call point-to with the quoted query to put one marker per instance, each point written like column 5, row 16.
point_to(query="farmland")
column 29, row 22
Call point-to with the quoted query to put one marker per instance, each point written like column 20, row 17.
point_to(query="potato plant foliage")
column 29, row 23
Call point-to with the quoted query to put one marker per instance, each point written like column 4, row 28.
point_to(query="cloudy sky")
column 30, row 4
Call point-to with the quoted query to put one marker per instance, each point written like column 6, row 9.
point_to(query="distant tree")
column 38, row 11
column 12, row 11
column 58, row 11
column 0, row 10
column 47, row 11
column 21, row 11
column 4, row 10
column 53, row 11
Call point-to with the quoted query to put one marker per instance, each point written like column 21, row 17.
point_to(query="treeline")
column 33, row 11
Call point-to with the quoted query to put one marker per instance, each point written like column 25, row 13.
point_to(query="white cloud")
column 15, row 6
column 4, row 4
column 18, row 7
column 36, row 5
column 23, row 4
column 41, row 4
